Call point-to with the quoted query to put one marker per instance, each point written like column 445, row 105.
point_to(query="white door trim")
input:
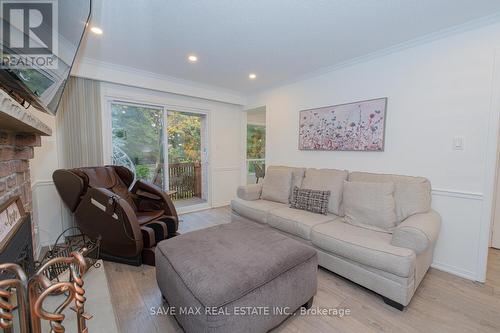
column 490, row 172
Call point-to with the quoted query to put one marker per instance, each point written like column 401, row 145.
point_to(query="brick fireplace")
column 20, row 133
column 16, row 149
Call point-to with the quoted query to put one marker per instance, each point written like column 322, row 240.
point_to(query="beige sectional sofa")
column 392, row 262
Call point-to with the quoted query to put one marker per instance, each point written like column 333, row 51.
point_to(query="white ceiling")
column 280, row 40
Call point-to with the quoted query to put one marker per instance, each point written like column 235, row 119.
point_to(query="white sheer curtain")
column 79, row 124
column 79, row 129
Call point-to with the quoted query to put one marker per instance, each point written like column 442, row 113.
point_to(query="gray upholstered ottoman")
column 236, row 277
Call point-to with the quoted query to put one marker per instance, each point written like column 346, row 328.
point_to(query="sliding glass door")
column 138, row 140
column 187, row 157
column 166, row 148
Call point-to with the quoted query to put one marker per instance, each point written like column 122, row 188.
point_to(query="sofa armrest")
column 250, row 192
column 417, row 232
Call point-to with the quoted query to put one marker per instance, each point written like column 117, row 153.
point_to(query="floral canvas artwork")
column 358, row 126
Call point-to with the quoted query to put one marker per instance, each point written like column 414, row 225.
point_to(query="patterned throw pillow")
column 311, row 200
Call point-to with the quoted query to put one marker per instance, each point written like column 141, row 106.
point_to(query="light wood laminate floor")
column 442, row 303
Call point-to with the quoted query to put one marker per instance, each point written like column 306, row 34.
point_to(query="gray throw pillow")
column 311, row 200
column 370, row 205
column 412, row 195
column 277, row 184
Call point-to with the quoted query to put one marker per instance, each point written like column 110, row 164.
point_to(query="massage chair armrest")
column 152, row 197
column 148, row 191
column 249, row 192
column 115, row 207
column 418, row 232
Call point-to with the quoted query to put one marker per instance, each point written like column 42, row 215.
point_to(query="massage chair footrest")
column 153, row 233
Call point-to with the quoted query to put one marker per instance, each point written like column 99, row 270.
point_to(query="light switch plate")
column 458, row 143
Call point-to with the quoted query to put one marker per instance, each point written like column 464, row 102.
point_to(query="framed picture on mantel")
column 358, row 126
column 11, row 216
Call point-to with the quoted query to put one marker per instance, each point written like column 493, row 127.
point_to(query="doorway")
column 255, row 145
column 495, row 227
column 167, row 148
column 493, row 263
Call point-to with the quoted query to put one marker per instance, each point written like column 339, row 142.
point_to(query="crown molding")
column 107, row 72
column 425, row 39
column 104, row 71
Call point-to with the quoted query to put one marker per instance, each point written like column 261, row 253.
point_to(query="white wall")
column 46, row 202
column 45, row 159
column 436, row 91
column 256, row 116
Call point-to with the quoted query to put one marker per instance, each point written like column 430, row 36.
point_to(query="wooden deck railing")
column 185, row 179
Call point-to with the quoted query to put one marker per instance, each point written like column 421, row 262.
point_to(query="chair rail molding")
column 457, row 194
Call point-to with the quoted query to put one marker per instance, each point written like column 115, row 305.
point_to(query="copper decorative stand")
column 16, row 286
column 71, row 243
column 31, row 294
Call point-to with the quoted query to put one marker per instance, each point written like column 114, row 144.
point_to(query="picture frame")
column 355, row 126
column 12, row 215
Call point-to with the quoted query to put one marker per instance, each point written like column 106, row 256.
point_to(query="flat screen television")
column 39, row 41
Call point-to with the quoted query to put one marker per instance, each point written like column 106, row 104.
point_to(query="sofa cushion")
column 327, row 180
column 314, row 201
column 255, row 210
column 370, row 205
column 367, row 247
column 297, row 176
column 277, row 185
column 296, row 222
column 412, row 194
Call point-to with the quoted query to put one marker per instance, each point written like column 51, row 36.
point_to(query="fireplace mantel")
column 15, row 118
column 20, row 132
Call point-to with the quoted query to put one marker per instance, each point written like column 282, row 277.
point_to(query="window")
column 138, row 140
column 256, row 152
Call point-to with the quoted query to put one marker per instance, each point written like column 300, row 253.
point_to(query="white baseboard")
column 221, row 204
column 454, row 270
column 193, row 208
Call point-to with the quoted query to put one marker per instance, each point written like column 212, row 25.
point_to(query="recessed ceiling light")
column 96, row 30
column 192, row 58
column 252, row 76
